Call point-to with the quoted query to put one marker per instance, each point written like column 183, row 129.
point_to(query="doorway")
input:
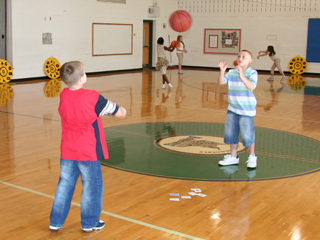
column 147, row 45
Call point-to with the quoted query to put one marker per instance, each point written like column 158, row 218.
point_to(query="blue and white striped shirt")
column 241, row 100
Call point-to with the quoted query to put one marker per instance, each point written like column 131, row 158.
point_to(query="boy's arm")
column 107, row 107
column 223, row 67
column 121, row 113
column 250, row 85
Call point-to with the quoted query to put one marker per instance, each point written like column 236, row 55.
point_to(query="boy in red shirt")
column 82, row 146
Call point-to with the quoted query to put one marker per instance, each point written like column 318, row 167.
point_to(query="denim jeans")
column 236, row 124
column 91, row 198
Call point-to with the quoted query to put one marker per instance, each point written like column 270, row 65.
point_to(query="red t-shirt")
column 83, row 137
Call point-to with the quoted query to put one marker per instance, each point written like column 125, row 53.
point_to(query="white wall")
column 71, row 28
column 287, row 20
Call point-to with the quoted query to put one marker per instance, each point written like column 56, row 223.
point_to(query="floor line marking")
column 213, row 110
column 25, row 115
column 109, row 213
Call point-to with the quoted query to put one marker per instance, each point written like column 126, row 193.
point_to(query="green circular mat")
column 191, row 151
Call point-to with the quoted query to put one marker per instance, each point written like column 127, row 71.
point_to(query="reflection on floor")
column 169, row 143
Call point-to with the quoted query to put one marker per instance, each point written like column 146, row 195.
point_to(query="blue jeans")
column 236, row 124
column 91, row 198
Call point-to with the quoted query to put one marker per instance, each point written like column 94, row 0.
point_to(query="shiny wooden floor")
column 137, row 207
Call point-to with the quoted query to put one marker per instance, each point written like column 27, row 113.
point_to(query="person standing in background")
column 181, row 49
column 276, row 62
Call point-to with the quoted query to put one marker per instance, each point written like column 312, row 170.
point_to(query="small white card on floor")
column 197, row 194
column 186, row 197
column 174, row 199
column 174, row 194
column 196, row 189
column 201, row 195
column 192, row 193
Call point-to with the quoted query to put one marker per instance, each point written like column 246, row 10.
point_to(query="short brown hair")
column 71, row 72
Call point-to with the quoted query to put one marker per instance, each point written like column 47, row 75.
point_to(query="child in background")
column 242, row 108
column 181, row 48
column 163, row 62
column 276, row 62
column 82, row 146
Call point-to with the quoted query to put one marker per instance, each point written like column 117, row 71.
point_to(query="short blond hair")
column 244, row 50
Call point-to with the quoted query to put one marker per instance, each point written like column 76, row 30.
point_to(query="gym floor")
column 170, row 142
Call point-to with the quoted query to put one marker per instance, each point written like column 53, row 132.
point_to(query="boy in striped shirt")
column 242, row 107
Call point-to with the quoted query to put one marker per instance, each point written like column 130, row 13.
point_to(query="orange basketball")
column 173, row 43
column 235, row 63
column 180, row 21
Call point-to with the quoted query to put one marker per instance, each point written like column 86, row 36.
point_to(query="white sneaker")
column 163, row 86
column 180, row 72
column 169, row 84
column 270, row 79
column 52, row 228
column 284, row 78
column 229, row 160
column 99, row 226
column 252, row 161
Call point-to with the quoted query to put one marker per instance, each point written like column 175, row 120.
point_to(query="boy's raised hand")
column 240, row 70
column 223, row 65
